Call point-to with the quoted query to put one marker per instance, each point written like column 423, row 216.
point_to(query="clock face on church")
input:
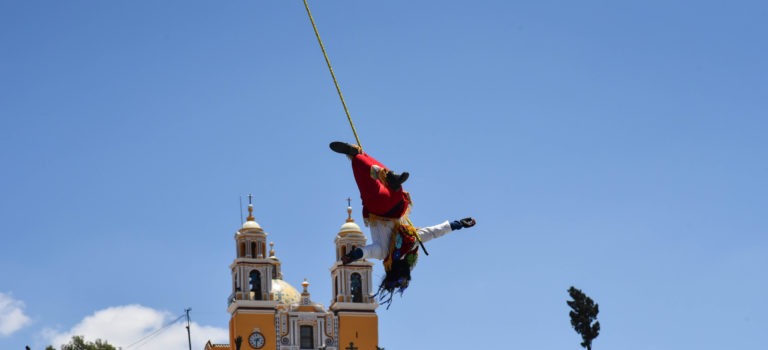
column 256, row 340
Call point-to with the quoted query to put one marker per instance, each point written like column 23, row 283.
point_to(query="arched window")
column 343, row 250
column 255, row 285
column 241, row 253
column 357, row 288
column 335, row 287
column 253, row 250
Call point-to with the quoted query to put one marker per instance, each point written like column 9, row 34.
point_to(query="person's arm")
column 432, row 232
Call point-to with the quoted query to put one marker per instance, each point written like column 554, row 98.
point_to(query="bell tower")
column 353, row 301
column 251, row 304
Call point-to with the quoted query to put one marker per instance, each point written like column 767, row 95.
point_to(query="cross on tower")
column 250, row 207
column 351, row 346
column 349, row 202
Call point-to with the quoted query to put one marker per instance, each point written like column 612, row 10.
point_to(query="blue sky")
column 616, row 147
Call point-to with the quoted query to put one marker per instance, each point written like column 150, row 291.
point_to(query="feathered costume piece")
column 401, row 258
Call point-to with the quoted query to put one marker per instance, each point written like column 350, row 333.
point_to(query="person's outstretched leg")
column 432, row 232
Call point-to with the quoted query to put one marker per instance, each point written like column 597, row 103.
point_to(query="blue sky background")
column 619, row 147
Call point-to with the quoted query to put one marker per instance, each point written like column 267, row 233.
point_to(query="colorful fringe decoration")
column 401, row 258
column 402, row 246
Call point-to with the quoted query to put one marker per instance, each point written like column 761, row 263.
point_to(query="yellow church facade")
column 268, row 313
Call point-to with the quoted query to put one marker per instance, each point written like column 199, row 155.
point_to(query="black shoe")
column 344, row 148
column 395, row 181
column 354, row 255
column 467, row 222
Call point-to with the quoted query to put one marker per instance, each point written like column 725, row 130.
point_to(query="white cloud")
column 123, row 326
column 12, row 317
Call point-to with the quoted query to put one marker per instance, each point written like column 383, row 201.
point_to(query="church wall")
column 232, row 333
column 362, row 328
column 244, row 322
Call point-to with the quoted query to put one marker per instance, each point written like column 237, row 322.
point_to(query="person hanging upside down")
column 385, row 210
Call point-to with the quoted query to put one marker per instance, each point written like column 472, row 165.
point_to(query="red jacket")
column 377, row 198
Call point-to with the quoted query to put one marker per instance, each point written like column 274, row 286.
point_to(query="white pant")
column 381, row 234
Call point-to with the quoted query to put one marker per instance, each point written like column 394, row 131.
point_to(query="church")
column 268, row 313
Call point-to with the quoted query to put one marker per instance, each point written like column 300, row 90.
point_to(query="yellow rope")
column 328, row 62
column 332, row 75
column 418, row 238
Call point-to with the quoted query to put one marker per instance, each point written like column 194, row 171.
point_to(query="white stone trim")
column 354, row 306
column 236, row 305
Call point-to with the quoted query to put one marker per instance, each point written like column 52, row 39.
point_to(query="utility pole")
column 189, row 337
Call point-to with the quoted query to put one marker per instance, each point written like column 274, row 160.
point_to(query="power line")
column 144, row 340
column 147, row 337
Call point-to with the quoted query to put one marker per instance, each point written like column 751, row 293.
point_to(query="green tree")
column 79, row 343
column 584, row 313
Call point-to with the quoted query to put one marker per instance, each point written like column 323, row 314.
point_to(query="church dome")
column 249, row 225
column 351, row 230
column 350, row 227
column 285, row 292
